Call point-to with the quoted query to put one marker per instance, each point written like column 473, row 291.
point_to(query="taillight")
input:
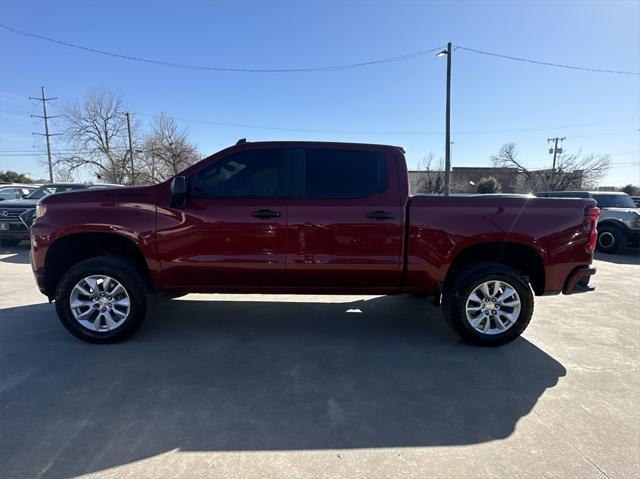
column 591, row 214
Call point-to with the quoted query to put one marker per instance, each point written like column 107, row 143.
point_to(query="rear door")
column 232, row 232
column 345, row 220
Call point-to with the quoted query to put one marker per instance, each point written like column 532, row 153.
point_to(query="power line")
column 346, row 66
column 549, row 64
column 610, row 133
column 223, row 69
column 390, row 133
column 299, row 130
column 399, row 133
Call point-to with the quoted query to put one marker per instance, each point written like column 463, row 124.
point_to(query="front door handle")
column 380, row 215
column 266, row 214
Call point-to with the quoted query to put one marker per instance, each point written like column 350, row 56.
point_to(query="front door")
column 232, row 232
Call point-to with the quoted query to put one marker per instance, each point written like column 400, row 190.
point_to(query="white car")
column 15, row 191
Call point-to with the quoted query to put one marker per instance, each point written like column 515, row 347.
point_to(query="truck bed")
column 439, row 228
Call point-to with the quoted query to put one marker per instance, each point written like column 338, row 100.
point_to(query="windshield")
column 614, row 201
column 9, row 194
column 47, row 190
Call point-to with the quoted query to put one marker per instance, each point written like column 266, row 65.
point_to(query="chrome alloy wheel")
column 493, row 307
column 100, row 303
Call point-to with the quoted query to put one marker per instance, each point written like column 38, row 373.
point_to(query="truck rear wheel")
column 488, row 304
column 103, row 299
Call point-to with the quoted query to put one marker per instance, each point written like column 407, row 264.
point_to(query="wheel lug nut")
column 493, row 312
column 104, row 309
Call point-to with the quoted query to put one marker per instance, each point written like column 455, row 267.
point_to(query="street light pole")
column 447, row 151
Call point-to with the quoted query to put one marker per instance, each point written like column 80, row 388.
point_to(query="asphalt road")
column 322, row 386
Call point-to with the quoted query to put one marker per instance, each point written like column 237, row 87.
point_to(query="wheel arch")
column 68, row 250
column 521, row 257
column 612, row 223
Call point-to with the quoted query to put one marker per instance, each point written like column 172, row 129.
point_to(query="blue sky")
column 494, row 101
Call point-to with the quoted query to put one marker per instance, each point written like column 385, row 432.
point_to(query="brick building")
column 463, row 179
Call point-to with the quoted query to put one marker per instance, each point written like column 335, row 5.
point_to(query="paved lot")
column 317, row 386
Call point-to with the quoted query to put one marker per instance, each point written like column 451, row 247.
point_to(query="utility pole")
column 447, row 140
column 555, row 150
column 447, row 152
column 133, row 176
column 46, row 133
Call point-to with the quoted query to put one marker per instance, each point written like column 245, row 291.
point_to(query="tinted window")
column 9, row 194
column 255, row 173
column 614, row 201
column 343, row 174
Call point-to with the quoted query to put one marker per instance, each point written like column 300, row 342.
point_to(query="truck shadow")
column 255, row 374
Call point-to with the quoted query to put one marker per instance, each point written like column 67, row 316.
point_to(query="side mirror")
column 179, row 192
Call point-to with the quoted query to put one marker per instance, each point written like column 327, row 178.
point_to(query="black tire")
column 458, row 290
column 10, row 242
column 610, row 239
column 141, row 297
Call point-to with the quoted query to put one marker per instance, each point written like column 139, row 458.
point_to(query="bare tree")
column 96, row 129
column 572, row 170
column 62, row 173
column 167, row 151
column 431, row 178
column 507, row 156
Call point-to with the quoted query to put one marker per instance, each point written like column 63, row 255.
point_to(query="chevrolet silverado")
column 307, row 217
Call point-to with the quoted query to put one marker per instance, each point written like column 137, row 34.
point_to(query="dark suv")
column 619, row 222
column 16, row 216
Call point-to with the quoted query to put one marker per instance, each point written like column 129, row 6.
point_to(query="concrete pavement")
column 322, row 386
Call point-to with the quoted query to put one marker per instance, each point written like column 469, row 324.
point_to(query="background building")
column 464, row 179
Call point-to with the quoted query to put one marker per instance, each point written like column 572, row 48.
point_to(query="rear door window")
column 334, row 173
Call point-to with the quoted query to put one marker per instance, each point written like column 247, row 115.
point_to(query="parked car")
column 15, row 191
column 619, row 223
column 303, row 217
column 16, row 215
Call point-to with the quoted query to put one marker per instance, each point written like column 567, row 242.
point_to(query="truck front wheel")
column 488, row 304
column 103, row 299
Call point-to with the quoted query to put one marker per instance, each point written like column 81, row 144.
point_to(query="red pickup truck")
column 303, row 217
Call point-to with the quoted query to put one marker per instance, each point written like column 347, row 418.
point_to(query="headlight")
column 40, row 210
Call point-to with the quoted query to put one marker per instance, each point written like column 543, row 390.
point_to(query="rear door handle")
column 380, row 215
column 266, row 214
